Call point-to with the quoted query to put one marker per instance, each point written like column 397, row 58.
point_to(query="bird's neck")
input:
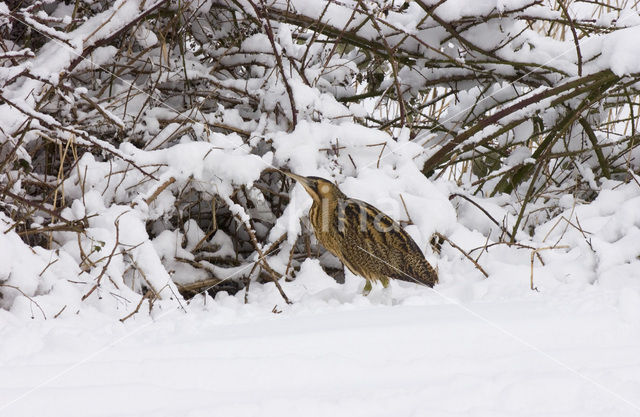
column 323, row 214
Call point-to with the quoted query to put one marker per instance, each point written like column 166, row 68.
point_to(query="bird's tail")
column 423, row 273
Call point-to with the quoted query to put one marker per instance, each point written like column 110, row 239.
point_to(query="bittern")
column 366, row 240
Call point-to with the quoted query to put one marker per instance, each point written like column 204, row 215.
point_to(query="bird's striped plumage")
column 366, row 240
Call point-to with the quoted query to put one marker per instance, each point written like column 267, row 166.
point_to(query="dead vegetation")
column 488, row 117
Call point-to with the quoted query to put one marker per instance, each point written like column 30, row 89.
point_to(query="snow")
column 620, row 51
column 470, row 346
column 402, row 351
column 145, row 37
column 546, row 325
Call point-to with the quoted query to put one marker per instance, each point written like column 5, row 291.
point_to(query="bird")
column 370, row 243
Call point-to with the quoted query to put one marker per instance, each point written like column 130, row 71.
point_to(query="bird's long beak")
column 299, row 178
column 304, row 181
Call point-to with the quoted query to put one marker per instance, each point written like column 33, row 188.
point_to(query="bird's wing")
column 372, row 233
column 365, row 229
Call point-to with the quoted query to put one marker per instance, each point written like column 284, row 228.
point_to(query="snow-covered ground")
column 402, row 351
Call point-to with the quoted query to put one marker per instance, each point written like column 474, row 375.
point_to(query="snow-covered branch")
column 141, row 142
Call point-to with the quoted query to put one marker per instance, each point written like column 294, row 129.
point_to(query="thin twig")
column 159, row 190
column 466, row 255
column 116, row 244
column 27, row 297
column 535, row 252
column 504, row 230
column 147, row 295
column 269, row 30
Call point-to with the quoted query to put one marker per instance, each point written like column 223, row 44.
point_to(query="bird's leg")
column 367, row 288
column 385, row 282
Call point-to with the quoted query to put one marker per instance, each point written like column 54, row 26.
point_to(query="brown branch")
column 576, row 41
column 466, row 255
column 430, row 10
column 159, row 190
column 504, row 230
column 70, row 225
column 195, row 288
column 275, row 244
column 27, row 297
column 116, row 244
column 60, row 312
column 147, row 295
column 263, row 261
column 394, row 66
column 104, row 41
column 536, row 252
column 442, row 153
column 108, row 116
column 604, row 166
column 405, row 209
column 269, row 30
column 50, row 123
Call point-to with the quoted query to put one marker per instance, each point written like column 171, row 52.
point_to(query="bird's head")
column 318, row 188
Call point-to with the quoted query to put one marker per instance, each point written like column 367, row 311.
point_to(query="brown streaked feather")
column 366, row 251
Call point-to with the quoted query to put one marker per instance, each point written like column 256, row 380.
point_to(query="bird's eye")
column 324, row 189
